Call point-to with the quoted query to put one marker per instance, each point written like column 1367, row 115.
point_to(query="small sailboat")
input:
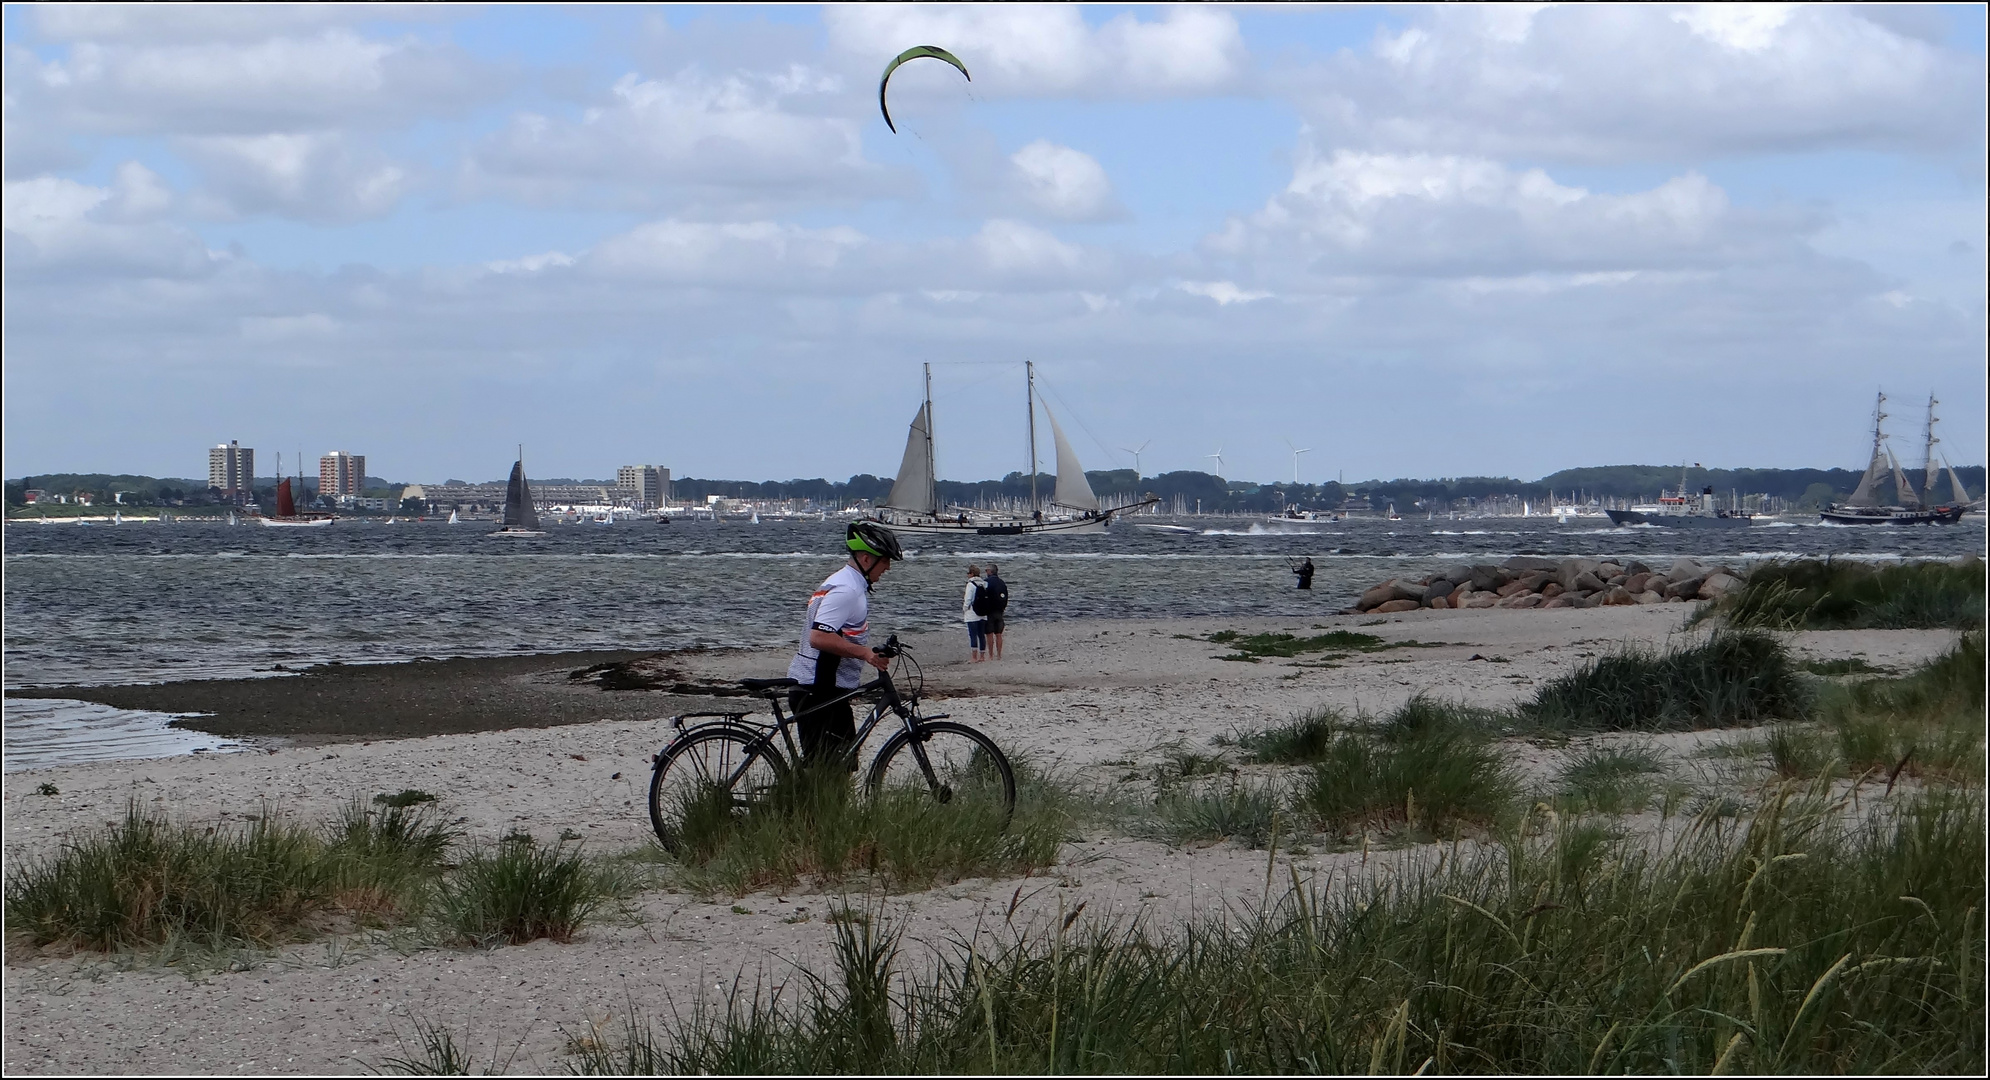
column 231, row 518
column 453, row 519
column 521, row 518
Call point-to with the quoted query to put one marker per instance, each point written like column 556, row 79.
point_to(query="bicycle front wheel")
column 950, row 763
column 705, row 783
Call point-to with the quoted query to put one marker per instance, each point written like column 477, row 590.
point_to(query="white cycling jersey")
column 840, row 605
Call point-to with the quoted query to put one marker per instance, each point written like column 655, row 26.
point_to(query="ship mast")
column 932, row 477
column 1933, row 472
column 1029, row 384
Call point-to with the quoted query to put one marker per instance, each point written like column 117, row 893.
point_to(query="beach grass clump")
column 520, row 890
column 1298, row 741
column 1803, row 939
column 1429, row 764
column 1610, row 779
column 1734, row 678
column 813, row 826
column 146, row 881
column 1928, row 724
column 1835, row 594
column 1237, row 809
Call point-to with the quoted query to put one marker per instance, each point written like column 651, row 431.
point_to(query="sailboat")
column 914, row 507
column 453, row 519
column 1864, row 507
column 520, row 517
column 287, row 515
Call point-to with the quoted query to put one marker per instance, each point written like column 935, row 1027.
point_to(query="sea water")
column 152, row 602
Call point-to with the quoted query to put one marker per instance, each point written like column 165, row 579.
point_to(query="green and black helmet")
column 873, row 539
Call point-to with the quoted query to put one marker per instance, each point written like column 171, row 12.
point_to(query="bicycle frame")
column 889, row 701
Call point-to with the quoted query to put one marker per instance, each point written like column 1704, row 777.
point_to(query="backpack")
column 982, row 602
column 997, row 599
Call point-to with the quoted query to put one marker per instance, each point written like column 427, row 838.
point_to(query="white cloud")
column 154, row 23
column 1062, row 183
column 1606, row 82
column 757, row 256
column 1224, row 293
column 270, row 329
column 311, row 176
column 531, row 264
column 59, row 226
column 1047, row 50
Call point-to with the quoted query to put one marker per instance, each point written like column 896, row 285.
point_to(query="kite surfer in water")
column 1305, row 572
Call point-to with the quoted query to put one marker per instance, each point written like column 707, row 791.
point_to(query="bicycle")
column 726, row 767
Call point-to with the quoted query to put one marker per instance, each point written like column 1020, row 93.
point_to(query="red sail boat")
column 286, row 506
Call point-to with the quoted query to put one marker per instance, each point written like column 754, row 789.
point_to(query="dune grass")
column 1801, row 940
column 1237, row 809
column 146, row 881
column 814, row 826
column 1734, row 678
column 1830, row 594
column 520, row 890
column 1927, row 725
column 1610, row 779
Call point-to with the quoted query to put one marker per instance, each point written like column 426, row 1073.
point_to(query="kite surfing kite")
column 913, row 53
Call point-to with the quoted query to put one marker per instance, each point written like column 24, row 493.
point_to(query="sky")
column 1409, row 241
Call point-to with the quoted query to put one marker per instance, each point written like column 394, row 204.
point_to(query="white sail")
column 1955, row 485
column 1903, row 490
column 1863, row 495
column 1073, row 491
column 912, row 491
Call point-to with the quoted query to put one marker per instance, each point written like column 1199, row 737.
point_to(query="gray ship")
column 1681, row 510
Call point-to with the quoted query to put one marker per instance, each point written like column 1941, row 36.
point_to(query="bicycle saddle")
column 762, row 686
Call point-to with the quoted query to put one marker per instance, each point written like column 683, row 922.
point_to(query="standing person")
column 833, row 652
column 995, row 603
column 1305, row 572
column 970, row 613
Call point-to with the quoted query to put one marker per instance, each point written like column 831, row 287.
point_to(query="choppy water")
column 147, row 602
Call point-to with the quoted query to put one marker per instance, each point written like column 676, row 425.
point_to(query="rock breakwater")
column 1530, row 581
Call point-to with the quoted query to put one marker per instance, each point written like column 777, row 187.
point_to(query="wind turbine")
column 1135, row 451
column 1218, row 455
column 1296, row 451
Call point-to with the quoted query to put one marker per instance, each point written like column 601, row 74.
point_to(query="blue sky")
column 1423, row 241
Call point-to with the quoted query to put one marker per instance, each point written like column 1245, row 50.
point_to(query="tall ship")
column 521, row 517
column 1682, row 509
column 1907, row 507
column 914, row 506
column 287, row 515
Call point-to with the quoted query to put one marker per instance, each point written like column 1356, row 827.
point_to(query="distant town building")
column 33, row 495
column 231, row 470
column 341, row 475
column 645, row 487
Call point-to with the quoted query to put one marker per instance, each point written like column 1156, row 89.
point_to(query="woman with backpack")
column 977, row 623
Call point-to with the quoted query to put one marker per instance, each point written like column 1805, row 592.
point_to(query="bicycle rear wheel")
column 951, row 763
column 705, row 782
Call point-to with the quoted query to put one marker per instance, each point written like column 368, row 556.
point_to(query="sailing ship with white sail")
column 1864, row 507
column 914, row 506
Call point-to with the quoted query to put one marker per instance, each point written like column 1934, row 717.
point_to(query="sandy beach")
column 521, row 744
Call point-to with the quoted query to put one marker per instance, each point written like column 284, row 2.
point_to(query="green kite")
column 913, row 53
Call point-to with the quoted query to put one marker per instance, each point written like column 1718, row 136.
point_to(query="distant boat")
column 913, row 506
column 453, row 519
column 231, row 518
column 520, row 517
column 1864, row 507
column 287, row 515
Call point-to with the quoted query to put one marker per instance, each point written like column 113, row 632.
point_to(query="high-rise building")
column 231, row 470
column 341, row 475
column 645, row 486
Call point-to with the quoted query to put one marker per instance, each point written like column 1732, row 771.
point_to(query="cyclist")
column 833, row 652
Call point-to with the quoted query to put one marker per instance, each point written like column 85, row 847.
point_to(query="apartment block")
column 341, row 475
column 646, row 487
column 231, row 470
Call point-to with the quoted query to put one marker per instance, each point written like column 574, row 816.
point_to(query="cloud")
column 211, row 22
column 1062, row 183
column 62, row 227
column 308, row 176
column 730, row 139
column 1016, row 50
column 1451, row 216
column 1224, row 293
column 1596, row 83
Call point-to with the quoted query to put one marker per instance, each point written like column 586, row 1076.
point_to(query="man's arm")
column 838, row 645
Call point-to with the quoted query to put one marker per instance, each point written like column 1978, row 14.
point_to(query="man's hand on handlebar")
column 881, row 655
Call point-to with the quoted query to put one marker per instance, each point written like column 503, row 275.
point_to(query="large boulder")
column 1617, row 597
column 1459, row 574
column 1482, row 600
column 1552, row 589
column 1572, row 568
column 1528, row 563
column 1521, row 600
column 1588, row 600
column 1647, row 597
column 1588, row 582
column 1608, row 570
column 1636, row 582
column 1718, row 585
column 1512, row 588
column 1685, row 568
column 1394, row 606
column 1437, row 600
column 1636, row 567
column 1487, row 577
column 1409, row 589
column 1376, row 597
column 1560, row 600
column 1657, row 582
column 1684, row 588
column 1439, row 588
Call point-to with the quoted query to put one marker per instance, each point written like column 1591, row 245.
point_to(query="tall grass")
column 1799, row 941
column 1828, row 594
column 1610, row 779
column 812, row 826
column 1234, row 809
column 1430, row 764
column 1734, row 678
column 147, row 881
column 520, row 891
column 1927, row 725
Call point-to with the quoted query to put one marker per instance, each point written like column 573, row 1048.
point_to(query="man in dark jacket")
column 994, row 597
